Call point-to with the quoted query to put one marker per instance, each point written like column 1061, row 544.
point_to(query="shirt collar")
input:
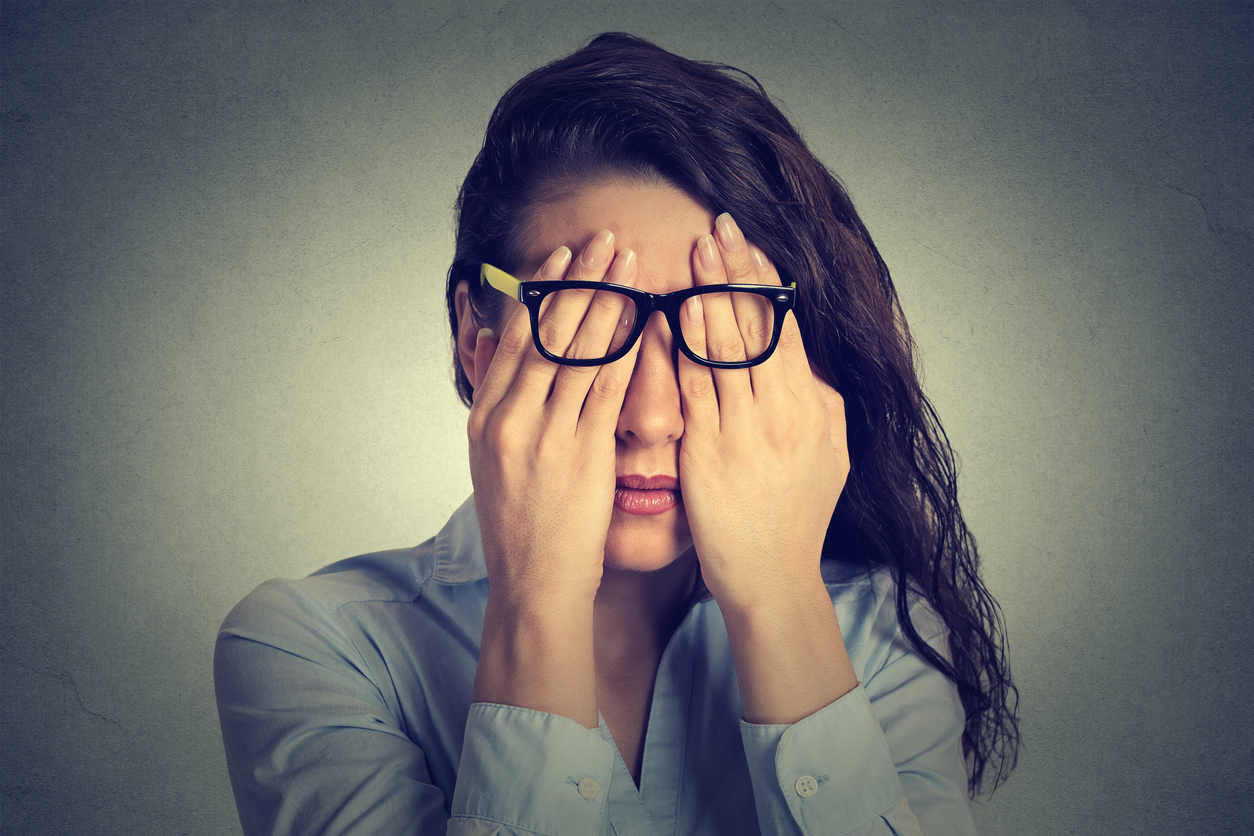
column 459, row 547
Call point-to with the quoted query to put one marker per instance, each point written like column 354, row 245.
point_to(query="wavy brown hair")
column 622, row 106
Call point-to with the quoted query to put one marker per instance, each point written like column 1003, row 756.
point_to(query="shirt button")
column 588, row 789
column 807, row 786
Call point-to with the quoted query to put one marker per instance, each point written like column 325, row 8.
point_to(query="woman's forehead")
column 657, row 220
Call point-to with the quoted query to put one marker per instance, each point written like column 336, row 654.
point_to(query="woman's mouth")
column 646, row 495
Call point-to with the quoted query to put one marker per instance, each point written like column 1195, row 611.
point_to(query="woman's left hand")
column 763, row 457
column 762, row 463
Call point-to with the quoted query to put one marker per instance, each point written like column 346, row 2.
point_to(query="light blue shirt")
column 346, row 707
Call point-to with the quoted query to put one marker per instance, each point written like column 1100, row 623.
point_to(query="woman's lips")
column 646, row 495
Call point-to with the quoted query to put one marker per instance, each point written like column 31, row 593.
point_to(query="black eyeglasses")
column 757, row 310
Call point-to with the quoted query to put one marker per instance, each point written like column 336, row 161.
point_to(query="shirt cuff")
column 829, row 773
column 534, row 771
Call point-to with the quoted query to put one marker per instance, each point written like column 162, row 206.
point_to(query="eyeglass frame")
column 532, row 294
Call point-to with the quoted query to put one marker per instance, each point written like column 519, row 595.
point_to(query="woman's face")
column 661, row 224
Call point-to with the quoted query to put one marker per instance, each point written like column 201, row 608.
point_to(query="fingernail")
column 556, row 264
column 760, row 262
column 693, row 308
column 484, row 332
column 727, row 231
column 627, row 261
column 705, row 249
column 599, row 249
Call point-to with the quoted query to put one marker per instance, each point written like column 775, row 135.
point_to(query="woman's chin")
column 646, row 548
column 635, row 562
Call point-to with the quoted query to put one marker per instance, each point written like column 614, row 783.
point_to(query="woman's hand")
column 763, row 458
column 542, row 462
column 761, row 466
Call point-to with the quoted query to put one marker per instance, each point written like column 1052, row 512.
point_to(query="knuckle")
column 577, row 374
column 606, row 303
column 740, row 269
column 843, row 468
column 475, row 425
column 730, row 347
column 552, row 335
column 502, row 435
column 790, row 339
column 606, row 386
column 514, row 341
column 786, row 428
column 548, row 448
column 700, row 387
column 758, row 330
column 581, row 350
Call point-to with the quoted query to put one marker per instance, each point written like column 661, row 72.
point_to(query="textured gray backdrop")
column 226, row 227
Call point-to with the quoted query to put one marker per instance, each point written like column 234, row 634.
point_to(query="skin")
column 584, row 597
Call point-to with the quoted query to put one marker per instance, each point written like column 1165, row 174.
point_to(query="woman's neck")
column 635, row 614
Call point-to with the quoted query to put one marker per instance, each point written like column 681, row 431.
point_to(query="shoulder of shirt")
column 453, row 556
column 871, row 591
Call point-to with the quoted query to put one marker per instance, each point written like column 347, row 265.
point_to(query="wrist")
column 775, row 604
column 789, row 653
column 764, row 586
column 542, row 611
column 537, row 654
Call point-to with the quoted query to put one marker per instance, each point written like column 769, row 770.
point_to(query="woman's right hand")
column 542, row 435
column 542, row 460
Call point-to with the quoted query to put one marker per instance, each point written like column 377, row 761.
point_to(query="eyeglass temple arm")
column 501, row 280
column 511, row 286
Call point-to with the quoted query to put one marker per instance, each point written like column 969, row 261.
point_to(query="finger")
column 834, row 406
column 562, row 313
column 763, row 267
column 788, row 368
column 481, row 396
column 606, row 325
column 518, row 370
column 609, row 317
column 485, row 349
column 604, row 401
column 737, row 261
column 754, row 314
column 512, row 345
column 698, row 394
column 791, row 350
column 764, row 272
column 722, row 336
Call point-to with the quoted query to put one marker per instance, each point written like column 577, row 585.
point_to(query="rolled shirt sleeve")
column 313, row 747
column 533, row 772
column 883, row 759
column 829, row 773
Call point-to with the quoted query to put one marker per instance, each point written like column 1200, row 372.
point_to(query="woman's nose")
column 651, row 410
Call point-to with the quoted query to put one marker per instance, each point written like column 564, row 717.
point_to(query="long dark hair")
column 624, row 106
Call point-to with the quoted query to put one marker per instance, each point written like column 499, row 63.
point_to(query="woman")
column 713, row 579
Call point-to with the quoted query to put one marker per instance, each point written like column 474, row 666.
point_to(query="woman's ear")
column 467, row 332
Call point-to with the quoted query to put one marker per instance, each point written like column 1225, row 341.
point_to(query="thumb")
column 485, row 349
column 834, row 405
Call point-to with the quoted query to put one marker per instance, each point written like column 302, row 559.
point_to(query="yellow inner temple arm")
column 501, row 280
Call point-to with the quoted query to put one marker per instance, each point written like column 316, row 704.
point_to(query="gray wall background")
column 226, row 228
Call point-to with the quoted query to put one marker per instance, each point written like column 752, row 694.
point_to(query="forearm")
column 789, row 654
column 537, row 654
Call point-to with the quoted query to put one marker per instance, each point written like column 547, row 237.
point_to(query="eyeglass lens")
column 738, row 325
column 582, row 324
